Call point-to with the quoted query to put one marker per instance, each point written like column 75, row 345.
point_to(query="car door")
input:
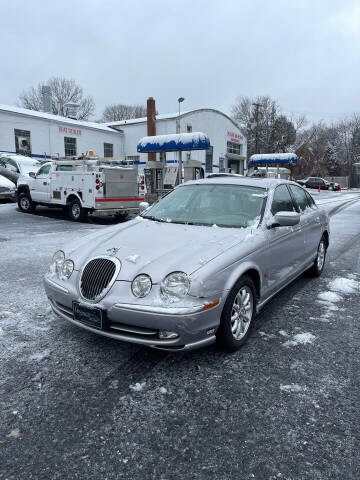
column 285, row 244
column 40, row 185
column 310, row 221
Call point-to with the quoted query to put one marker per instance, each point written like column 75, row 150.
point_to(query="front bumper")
column 10, row 195
column 141, row 324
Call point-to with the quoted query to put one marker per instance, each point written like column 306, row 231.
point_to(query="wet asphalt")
column 276, row 409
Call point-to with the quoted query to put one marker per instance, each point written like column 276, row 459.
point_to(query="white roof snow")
column 164, row 116
column 167, row 116
column 56, row 118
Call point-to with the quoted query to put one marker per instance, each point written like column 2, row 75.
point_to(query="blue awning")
column 174, row 142
column 273, row 159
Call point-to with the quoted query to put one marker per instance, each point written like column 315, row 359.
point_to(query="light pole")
column 180, row 100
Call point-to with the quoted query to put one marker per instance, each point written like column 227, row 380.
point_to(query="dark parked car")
column 316, row 182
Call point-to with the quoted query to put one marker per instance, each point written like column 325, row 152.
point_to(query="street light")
column 180, row 100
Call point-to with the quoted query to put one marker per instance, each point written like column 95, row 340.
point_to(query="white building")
column 228, row 144
column 42, row 135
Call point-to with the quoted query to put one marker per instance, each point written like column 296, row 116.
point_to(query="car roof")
column 244, row 181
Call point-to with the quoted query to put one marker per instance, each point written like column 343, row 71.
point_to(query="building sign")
column 70, row 131
column 234, row 137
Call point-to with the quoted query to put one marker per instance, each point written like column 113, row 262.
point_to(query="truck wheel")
column 76, row 212
column 121, row 217
column 25, row 203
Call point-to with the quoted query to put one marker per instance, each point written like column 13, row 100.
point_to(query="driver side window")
column 282, row 201
column 43, row 170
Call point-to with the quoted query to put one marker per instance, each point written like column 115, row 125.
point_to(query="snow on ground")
column 344, row 285
column 300, row 339
column 330, row 297
column 138, row 387
column 293, row 387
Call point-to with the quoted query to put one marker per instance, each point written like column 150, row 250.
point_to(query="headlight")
column 141, row 285
column 67, row 269
column 57, row 262
column 175, row 286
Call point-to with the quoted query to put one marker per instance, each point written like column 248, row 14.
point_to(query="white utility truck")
column 81, row 187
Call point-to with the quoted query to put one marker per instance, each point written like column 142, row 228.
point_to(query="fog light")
column 166, row 335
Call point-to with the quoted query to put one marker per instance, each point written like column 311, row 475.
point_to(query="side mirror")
column 143, row 206
column 32, row 174
column 285, row 219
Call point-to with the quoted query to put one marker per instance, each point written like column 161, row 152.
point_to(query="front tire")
column 76, row 212
column 319, row 262
column 25, row 203
column 238, row 314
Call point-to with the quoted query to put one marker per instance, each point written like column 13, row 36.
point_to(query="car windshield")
column 29, row 167
column 234, row 206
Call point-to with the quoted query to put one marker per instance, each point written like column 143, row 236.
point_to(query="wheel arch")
column 71, row 197
column 252, row 271
column 22, row 189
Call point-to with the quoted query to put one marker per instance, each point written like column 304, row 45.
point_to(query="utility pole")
column 257, row 106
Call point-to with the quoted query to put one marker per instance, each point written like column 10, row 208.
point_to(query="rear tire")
column 319, row 262
column 237, row 315
column 76, row 212
column 25, row 203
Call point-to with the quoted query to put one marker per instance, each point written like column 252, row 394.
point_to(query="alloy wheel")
column 241, row 312
column 321, row 255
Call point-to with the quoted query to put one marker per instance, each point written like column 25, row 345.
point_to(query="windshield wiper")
column 151, row 217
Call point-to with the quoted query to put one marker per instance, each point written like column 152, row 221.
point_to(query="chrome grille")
column 98, row 277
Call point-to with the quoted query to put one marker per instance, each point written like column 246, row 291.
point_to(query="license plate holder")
column 93, row 317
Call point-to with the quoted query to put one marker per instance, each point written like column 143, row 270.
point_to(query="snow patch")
column 132, row 258
column 344, row 285
column 40, row 356
column 300, row 338
column 162, row 390
column 283, row 333
column 293, row 387
column 331, row 297
column 138, row 387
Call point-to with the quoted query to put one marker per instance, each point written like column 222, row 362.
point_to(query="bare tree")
column 120, row 111
column 63, row 91
column 266, row 128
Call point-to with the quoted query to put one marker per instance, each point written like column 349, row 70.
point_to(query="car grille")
column 4, row 189
column 98, row 277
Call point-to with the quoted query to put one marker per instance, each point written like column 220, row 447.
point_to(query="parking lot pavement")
column 286, row 406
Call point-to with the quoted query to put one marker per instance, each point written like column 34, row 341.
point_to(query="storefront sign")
column 234, row 137
column 70, row 131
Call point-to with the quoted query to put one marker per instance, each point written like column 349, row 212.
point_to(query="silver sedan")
column 195, row 267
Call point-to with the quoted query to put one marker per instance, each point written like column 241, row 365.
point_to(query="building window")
column 22, row 142
column 221, row 164
column 132, row 158
column 188, row 128
column 108, row 150
column 70, row 146
column 234, row 148
column 209, row 159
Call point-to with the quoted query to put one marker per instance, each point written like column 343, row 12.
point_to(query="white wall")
column 46, row 136
column 213, row 123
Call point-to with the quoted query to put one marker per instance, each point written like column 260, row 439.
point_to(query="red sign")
column 71, row 131
column 235, row 137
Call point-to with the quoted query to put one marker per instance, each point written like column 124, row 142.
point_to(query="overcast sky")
column 305, row 53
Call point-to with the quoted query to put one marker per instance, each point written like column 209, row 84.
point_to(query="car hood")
column 156, row 248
